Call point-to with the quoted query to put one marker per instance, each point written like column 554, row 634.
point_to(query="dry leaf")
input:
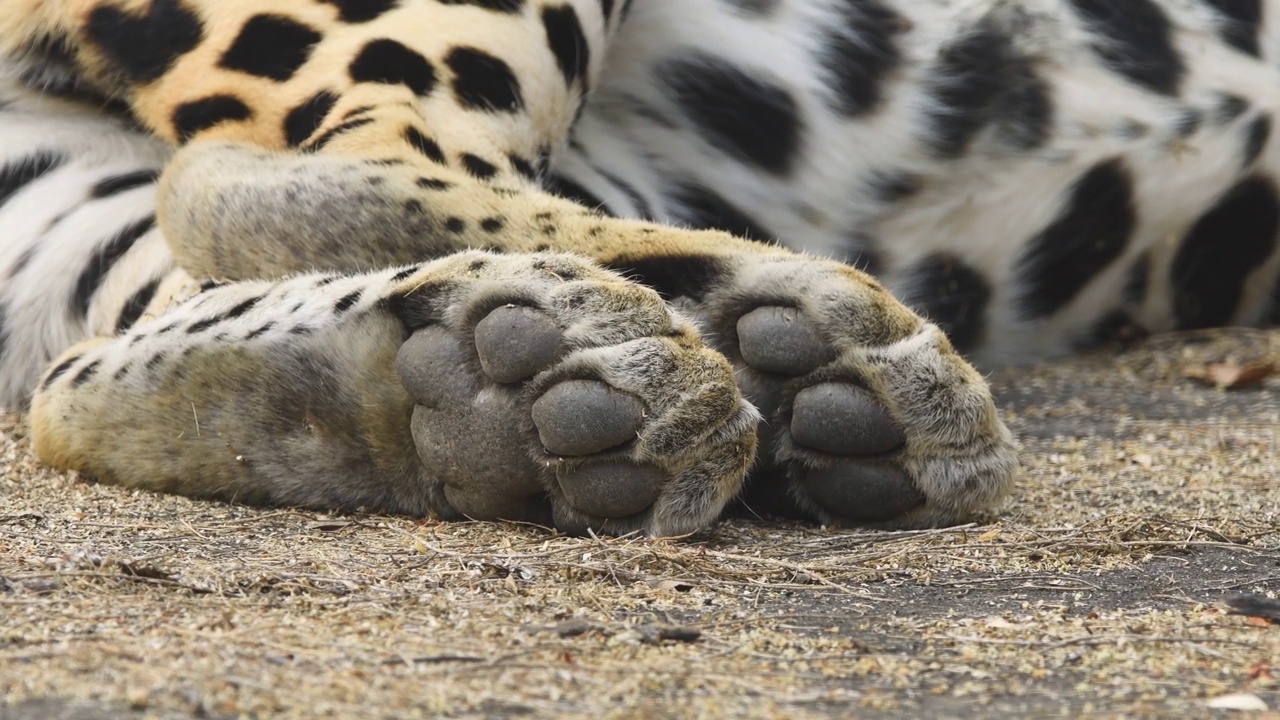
column 681, row 586
column 1236, row 701
column 330, row 525
column 1231, row 375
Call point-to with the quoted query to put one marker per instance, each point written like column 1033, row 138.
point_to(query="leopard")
column 613, row 266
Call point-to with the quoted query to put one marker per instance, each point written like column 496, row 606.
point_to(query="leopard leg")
column 520, row 387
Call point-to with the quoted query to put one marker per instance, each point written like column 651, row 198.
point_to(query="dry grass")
column 1147, row 500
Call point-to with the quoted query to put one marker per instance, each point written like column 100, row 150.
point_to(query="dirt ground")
column 1148, row 500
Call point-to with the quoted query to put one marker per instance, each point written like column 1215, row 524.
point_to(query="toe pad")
column 613, row 490
column 862, row 491
column 780, row 340
column 516, row 342
column 584, row 417
column 843, row 419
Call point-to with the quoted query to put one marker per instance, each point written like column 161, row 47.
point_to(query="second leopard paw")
column 871, row 417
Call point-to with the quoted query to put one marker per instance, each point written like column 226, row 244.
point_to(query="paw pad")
column 781, row 340
column 612, row 490
column 862, row 491
column 843, row 419
column 584, row 417
column 515, row 343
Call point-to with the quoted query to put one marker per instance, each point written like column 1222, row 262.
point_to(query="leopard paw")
column 548, row 389
column 871, row 417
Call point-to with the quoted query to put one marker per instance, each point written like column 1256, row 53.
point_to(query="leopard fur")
column 283, row 217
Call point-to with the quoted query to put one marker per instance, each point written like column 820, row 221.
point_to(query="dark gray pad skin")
column 827, row 442
column 494, row 450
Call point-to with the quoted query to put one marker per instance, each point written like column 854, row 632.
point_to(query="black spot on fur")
column 404, row 274
column 203, row 325
column 270, row 46
column 242, row 308
column 701, row 207
column 1135, row 41
column 1187, row 122
column 59, row 371
column 981, row 80
column 136, row 305
column 743, row 115
column 1230, row 107
column 117, row 184
column 455, row 225
column 1089, row 234
column 16, row 175
column 335, row 131
column 390, row 63
column 144, row 48
column 1224, row 246
column 503, row 6
column 753, row 7
column 893, row 187
column 570, row 190
column 433, row 184
column 859, row 54
column 1256, row 134
column 952, row 294
column 425, row 146
column 259, row 331
column 483, row 82
column 101, row 262
column 492, row 224
column 523, row 167
column 303, row 121
column 568, row 43
column 346, row 302
column 155, row 361
column 478, row 166
column 673, row 276
column 87, row 372
column 1241, row 20
column 359, row 11
column 197, row 115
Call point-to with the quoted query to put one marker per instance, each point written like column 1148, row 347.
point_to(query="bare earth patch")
column 1148, row 499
